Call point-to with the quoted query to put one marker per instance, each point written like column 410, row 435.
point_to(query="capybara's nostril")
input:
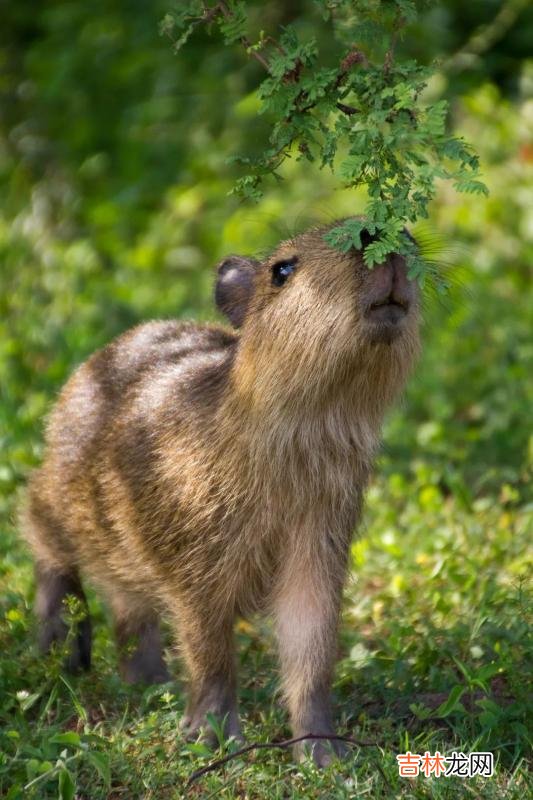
column 389, row 293
column 381, row 281
column 402, row 286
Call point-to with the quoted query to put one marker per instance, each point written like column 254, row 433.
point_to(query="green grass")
column 437, row 601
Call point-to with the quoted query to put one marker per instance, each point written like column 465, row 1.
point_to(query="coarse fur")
column 203, row 473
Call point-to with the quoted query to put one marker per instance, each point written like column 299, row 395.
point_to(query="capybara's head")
column 310, row 315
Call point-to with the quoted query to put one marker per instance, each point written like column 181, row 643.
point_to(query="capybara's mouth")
column 390, row 311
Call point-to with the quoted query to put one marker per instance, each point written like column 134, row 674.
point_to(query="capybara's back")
column 93, row 504
column 200, row 472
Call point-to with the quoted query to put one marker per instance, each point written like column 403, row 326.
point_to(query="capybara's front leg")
column 306, row 611
column 208, row 650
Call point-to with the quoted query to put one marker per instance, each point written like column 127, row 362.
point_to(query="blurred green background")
column 114, row 208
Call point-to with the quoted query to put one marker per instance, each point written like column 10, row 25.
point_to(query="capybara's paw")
column 143, row 670
column 322, row 751
column 196, row 724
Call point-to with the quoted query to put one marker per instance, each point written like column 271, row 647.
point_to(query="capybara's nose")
column 388, row 283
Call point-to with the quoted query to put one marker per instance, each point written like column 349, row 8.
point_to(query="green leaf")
column 198, row 749
column 66, row 785
column 352, row 167
column 82, row 713
column 100, row 762
column 69, row 737
column 376, row 252
column 471, row 186
column 217, row 727
column 449, row 705
column 408, row 9
column 233, row 26
column 28, row 700
column 347, row 235
column 420, row 711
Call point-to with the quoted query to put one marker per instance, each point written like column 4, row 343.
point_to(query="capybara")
column 201, row 473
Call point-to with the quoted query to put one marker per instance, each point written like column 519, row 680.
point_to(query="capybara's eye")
column 282, row 270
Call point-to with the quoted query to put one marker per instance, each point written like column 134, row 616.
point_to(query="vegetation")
column 390, row 141
column 114, row 209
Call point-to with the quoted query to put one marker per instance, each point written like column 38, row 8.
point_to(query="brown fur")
column 203, row 473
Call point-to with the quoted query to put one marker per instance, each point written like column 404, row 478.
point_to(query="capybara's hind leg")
column 139, row 643
column 54, row 585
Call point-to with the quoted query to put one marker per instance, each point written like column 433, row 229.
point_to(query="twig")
column 348, row 110
column 274, row 43
column 398, row 24
column 223, row 8
column 282, row 745
column 354, row 57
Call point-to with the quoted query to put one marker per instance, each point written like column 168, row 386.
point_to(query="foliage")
column 390, row 141
column 118, row 217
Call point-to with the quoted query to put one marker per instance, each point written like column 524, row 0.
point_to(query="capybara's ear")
column 235, row 286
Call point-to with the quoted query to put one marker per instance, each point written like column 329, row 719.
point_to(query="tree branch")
column 223, row 9
column 281, row 745
column 398, row 24
column 348, row 110
column 351, row 59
